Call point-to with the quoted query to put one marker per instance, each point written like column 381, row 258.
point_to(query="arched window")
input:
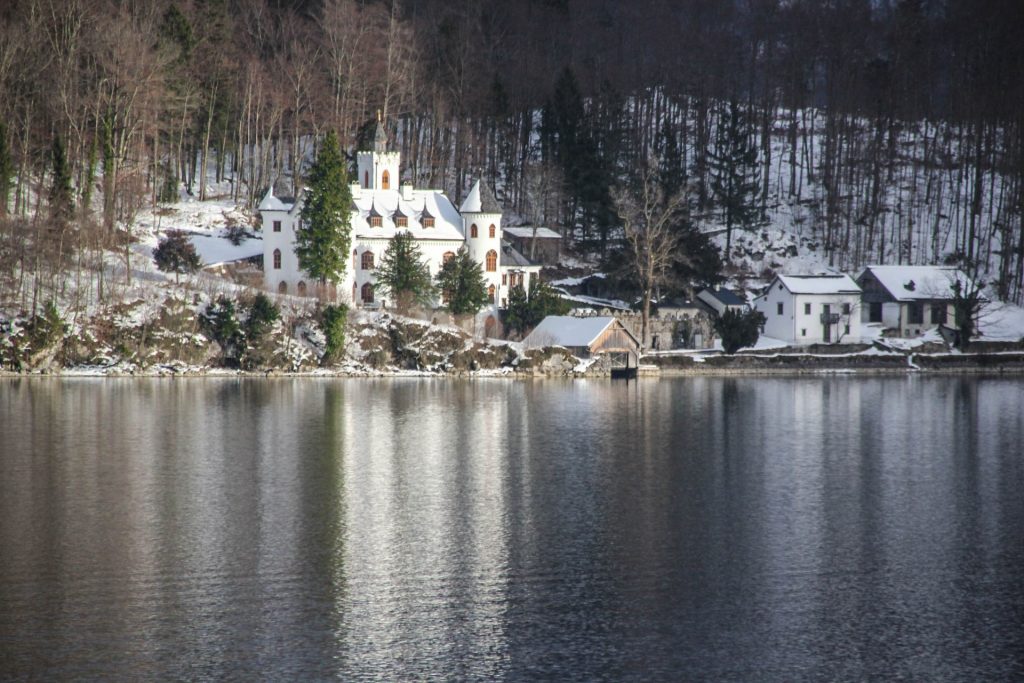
column 367, row 293
column 491, row 292
column 385, row 181
column 490, row 231
column 472, row 230
column 366, row 179
column 282, row 287
column 277, row 259
column 448, row 256
column 492, row 261
column 367, row 260
column 301, row 288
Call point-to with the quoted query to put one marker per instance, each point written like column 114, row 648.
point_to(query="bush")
column 262, row 315
column 220, row 322
column 738, row 329
column 333, row 321
column 176, row 254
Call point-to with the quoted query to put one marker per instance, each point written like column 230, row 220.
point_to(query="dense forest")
column 884, row 130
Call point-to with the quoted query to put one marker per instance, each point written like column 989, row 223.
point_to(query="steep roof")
column 725, row 296
column 819, row 284
column 510, row 257
column 568, row 331
column 480, row 200
column 272, row 203
column 915, row 283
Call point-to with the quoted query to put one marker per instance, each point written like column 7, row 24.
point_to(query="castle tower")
column 378, row 168
column 481, row 220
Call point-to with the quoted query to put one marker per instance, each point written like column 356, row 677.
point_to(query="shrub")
column 738, row 329
column 333, row 321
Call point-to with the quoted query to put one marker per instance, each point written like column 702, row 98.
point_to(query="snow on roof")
column 272, row 203
column 819, row 284
column 386, row 203
column 480, row 200
column 527, row 231
column 217, row 250
column 909, row 283
column 725, row 296
column 513, row 259
column 568, row 331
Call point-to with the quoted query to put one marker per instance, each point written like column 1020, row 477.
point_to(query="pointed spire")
column 380, row 136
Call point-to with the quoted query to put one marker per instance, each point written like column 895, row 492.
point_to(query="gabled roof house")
column 811, row 309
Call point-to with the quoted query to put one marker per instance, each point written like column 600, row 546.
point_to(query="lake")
column 834, row 527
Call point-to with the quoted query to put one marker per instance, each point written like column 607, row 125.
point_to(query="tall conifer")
column 324, row 236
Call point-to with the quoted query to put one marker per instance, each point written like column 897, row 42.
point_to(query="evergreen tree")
column 739, row 329
column 176, row 254
column 6, row 170
column 671, row 173
column 517, row 312
column 462, row 282
column 734, row 172
column 324, row 236
column 263, row 313
column 526, row 312
column 403, row 275
column 62, row 201
column 333, row 321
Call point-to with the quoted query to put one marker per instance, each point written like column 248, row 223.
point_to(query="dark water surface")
column 828, row 528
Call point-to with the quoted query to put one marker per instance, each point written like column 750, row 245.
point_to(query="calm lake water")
column 700, row 528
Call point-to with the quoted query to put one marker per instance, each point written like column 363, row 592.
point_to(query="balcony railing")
column 829, row 318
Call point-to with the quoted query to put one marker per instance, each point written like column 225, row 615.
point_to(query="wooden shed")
column 588, row 337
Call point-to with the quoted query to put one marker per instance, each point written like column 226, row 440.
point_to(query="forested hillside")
column 866, row 130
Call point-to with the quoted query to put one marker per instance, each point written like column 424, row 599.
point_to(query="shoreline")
column 653, row 367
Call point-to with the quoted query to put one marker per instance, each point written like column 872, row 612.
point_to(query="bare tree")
column 649, row 219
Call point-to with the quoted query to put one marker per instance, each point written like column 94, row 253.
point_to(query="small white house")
column 811, row 309
column 910, row 300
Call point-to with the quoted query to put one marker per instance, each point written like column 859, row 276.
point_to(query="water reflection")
column 700, row 528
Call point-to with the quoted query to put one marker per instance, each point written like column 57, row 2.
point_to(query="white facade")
column 910, row 300
column 812, row 309
column 381, row 208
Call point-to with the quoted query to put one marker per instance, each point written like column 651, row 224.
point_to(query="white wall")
column 796, row 326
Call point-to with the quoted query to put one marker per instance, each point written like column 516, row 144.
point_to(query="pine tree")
column 62, row 201
column 403, row 275
column 6, row 170
column 461, row 280
column 738, row 329
column 734, row 173
column 324, row 236
column 176, row 254
column 671, row 172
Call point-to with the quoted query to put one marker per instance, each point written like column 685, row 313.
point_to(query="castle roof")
column 480, row 200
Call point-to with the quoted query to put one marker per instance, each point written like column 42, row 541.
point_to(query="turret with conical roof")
column 481, row 219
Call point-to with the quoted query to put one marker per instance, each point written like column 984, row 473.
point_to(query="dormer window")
column 375, row 221
column 426, row 220
column 401, row 222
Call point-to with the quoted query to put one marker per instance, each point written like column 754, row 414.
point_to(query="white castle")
column 380, row 210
